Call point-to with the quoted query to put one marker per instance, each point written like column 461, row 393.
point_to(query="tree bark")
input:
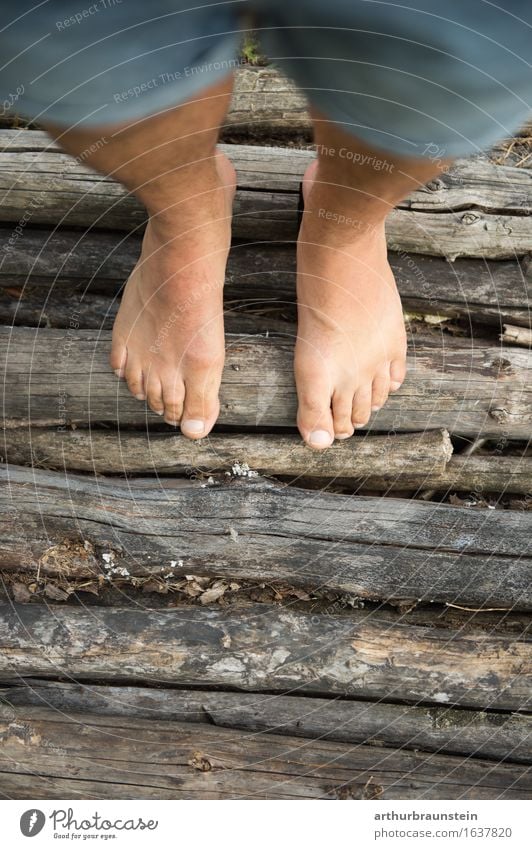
column 267, row 649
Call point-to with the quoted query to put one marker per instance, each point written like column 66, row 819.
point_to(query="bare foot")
column 168, row 337
column 351, row 343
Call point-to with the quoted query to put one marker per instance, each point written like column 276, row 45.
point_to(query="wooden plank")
column 112, row 452
column 270, row 649
column 75, row 527
column 62, row 377
column 477, row 209
column 187, row 761
column 481, row 291
column 498, row 736
column 399, row 463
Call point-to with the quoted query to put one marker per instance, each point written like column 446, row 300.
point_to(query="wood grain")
column 416, row 456
column 76, row 527
column 62, row 377
column 483, row 734
column 65, row 271
column 403, row 462
column 267, row 649
column 108, row 757
column 478, row 209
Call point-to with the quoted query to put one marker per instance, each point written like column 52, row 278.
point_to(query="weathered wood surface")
column 497, row 736
column 482, row 291
column 70, row 306
column 62, row 377
column 478, row 209
column 265, row 103
column 375, row 548
column 480, row 474
column 137, row 758
column 403, row 462
column 111, row 452
column 266, row 648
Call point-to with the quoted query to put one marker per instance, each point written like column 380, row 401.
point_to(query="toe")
column 154, row 394
column 380, row 388
column 118, row 358
column 362, row 405
column 134, row 379
column 314, row 415
column 397, row 373
column 201, row 405
column 173, row 398
column 342, row 405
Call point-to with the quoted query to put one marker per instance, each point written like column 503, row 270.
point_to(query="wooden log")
column 470, row 182
column 62, row 377
column 31, row 306
column 483, row 734
column 111, row 452
column 374, row 548
column 267, row 648
column 483, row 474
column 399, row 463
column 517, row 335
column 267, row 104
column 481, row 291
column 189, row 761
column 45, row 186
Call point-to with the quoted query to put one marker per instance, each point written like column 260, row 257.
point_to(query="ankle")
column 340, row 214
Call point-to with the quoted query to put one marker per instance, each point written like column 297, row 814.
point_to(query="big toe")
column 314, row 415
column 201, row 405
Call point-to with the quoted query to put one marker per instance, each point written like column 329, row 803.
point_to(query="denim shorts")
column 417, row 78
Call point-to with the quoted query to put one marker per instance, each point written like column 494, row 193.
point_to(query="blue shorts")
column 417, row 78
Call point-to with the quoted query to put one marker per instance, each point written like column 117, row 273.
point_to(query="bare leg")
column 168, row 338
column 351, row 345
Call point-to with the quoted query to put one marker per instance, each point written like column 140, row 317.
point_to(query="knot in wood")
column 200, row 762
column 470, row 218
column 499, row 414
column 502, row 364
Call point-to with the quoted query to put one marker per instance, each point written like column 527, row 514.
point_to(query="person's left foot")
column 351, row 342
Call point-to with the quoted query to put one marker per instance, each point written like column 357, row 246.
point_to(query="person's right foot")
column 168, row 337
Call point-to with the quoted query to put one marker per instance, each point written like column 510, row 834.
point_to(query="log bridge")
column 241, row 617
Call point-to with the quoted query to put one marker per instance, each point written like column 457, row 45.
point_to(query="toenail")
column 320, row 438
column 359, row 425
column 171, row 422
column 394, row 385
column 374, row 409
column 158, row 412
column 193, row 425
column 118, row 372
column 343, row 435
column 140, row 397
